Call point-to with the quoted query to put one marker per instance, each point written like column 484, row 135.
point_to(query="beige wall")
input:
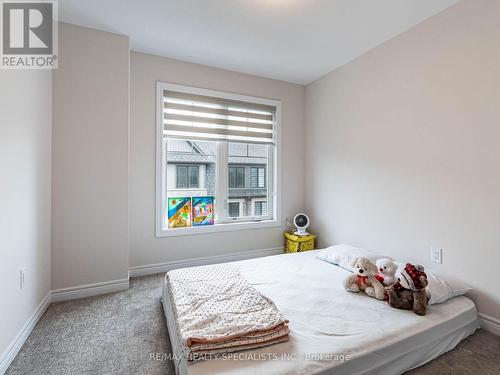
column 90, row 158
column 403, row 148
column 25, row 143
column 145, row 248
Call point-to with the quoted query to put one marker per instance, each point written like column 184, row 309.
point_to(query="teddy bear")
column 386, row 271
column 408, row 293
column 364, row 279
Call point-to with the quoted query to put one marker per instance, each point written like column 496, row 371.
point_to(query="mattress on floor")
column 331, row 330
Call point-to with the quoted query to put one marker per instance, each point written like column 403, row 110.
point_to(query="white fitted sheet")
column 325, row 319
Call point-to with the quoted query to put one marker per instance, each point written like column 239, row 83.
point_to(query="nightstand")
column 296, row 244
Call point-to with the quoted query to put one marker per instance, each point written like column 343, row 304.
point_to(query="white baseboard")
column 89, row 290
column 489, row 323
column 151, row 269
column 16, row 344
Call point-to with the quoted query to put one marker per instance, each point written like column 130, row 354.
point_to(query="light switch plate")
column 436, row 254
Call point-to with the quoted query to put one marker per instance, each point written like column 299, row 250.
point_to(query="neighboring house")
column 190, row 168
column 191, row 172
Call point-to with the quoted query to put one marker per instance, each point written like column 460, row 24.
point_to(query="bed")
column 333, row 331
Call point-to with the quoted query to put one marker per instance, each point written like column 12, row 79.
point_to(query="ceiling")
column 290, row 40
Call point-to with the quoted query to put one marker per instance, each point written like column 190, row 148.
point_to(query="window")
column 221, row 147
column 187, row 177
column 190, row 168
column 234, row 209
column 247, row 165
column 260, row 208
column 258, row 177
column 236, row 177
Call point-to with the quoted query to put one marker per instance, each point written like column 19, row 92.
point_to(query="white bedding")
column 217, row 311
column 326, row 320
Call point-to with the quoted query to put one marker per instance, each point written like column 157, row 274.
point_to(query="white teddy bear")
column 386, row 271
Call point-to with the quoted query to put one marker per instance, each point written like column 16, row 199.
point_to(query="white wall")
column 145, row 248
column 403, row 148
column 25, row 144
column 90, row 239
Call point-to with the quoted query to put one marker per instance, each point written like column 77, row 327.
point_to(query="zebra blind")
column 191, row 116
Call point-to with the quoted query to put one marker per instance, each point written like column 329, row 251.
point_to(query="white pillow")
column 344, row 255
column 441, row 288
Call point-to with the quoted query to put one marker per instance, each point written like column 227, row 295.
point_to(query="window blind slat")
column 223, row 132
column 217, row 111
column 202, row 99
column 217, row 121
column 210, row 118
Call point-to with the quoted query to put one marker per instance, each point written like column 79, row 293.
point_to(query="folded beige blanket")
column 218, row 311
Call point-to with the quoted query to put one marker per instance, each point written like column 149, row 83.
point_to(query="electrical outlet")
column 22, row 278
column 436, row 254
column 288, row 222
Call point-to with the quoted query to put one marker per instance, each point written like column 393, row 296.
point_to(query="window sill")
column 226, row 227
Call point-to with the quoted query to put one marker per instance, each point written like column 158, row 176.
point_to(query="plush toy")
column 409, row 291
column 386, row 271
column 364, row 279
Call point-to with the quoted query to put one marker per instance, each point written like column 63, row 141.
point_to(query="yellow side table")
column 296, row 244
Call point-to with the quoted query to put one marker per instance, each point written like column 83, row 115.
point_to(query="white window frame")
column 223, row 224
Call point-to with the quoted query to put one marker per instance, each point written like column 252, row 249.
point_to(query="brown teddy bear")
column 409, row 291
column 364, row 279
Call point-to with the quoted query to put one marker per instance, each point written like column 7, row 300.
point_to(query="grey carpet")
column 109, row 334
column 117, row 333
